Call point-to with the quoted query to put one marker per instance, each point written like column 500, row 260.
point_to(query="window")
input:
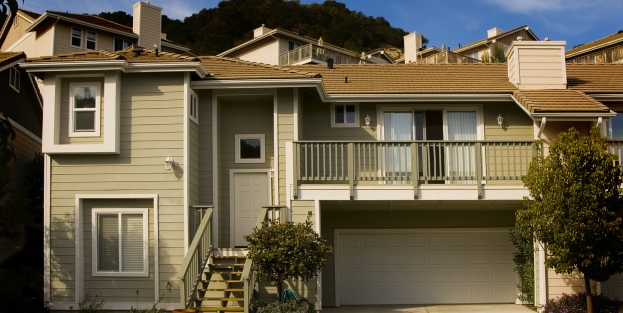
column 615, row 127
column 293, row 45
column 344, row 115
column 473, row 55
column 193, row 108
column 121, row 44
column 119, row 242
column 14, row 78
column 250, row 148
column 76, row 37
column 91, row 41
column 84, row 109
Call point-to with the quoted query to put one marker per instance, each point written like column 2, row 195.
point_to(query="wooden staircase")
column 220, row 289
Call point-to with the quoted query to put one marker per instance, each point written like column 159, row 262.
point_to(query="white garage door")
column 425, row 266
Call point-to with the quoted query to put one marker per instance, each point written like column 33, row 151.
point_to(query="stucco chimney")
column 413, row 44
column 537, row 64
column 147, row 24
column 260, row 31
column 494, row 32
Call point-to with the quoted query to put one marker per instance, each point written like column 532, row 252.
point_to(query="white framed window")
column 76, row 37
column 14, row 78
column 121, row 44
column 473, row 55
column 250, row 148
column 91, row 42
column 344, row 115
column 84, row 109
column 120, row 245
column 193, row 107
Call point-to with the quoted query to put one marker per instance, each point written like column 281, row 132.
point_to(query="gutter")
column 52, row 15
column 121, row 65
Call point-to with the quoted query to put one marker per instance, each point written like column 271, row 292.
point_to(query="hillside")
column 211, row 31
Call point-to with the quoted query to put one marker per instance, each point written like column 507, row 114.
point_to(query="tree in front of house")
column 282, row 251
column 498, row 55
column 573, row 205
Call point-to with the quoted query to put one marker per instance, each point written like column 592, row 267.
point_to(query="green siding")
column 517, row 124
column 205, row 147
column 317, row 122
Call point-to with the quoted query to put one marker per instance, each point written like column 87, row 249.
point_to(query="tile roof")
column 595, row 78
column 10, row 57
column 567, row 101
column 99, row 55
column 618, row 37
column 228, row 69
column 148, row 55
column 413, row 78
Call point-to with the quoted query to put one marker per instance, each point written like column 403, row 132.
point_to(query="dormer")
column 536, row 65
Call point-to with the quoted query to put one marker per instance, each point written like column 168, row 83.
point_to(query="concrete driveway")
column 459, row 308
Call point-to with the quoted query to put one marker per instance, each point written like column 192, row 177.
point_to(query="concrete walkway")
column 459, row 308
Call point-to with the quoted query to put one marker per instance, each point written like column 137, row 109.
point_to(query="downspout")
column 542, row 127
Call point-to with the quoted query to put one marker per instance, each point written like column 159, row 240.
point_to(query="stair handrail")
column 195, row 260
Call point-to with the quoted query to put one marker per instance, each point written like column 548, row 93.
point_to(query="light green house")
column 157, row 163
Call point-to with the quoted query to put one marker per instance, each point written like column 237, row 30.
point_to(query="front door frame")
column 232, row 209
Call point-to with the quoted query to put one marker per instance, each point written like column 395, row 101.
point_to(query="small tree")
column 287, row 250
column 498, row 55
column 573, row 204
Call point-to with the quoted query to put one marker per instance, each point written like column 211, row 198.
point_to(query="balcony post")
column 415, row 171
column 351, row 169
column 296, row 156
column 479, row 168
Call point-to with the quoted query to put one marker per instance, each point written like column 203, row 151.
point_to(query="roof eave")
column 597, row 47
column 45, row 15
column 121, row 65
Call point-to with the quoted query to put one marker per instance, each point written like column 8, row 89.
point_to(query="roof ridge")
column 265, row 65
column 92, row 15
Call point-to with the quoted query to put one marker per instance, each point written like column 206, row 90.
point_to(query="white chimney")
column 537, row 65
column 413, row 44
column 147, row 24
column 260, row 31
column 494, row 32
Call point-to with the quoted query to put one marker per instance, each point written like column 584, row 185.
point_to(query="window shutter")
column 108, row 242
column 132, row 242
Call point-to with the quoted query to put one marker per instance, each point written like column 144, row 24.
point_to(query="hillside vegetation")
column 211, row 31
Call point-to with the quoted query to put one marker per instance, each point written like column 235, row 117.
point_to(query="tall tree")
column 573, row 205
column 6, row 7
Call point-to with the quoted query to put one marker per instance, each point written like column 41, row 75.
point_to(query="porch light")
column 367, row 119
column 500, row 119
column 168, row 163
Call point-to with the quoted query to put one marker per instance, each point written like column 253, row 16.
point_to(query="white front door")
column 251, row 193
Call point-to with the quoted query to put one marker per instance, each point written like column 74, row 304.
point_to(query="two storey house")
column 157, row 164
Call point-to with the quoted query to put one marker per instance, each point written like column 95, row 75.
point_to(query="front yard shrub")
column 576, row 303
column 300, row 306
column 524, row 265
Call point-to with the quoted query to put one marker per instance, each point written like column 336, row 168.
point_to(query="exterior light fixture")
column 500, row 119
column 367, row 119
column 168, row 163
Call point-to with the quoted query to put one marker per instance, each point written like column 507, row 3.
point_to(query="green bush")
column 524, row 265
column 300, row 306
column 576, row 303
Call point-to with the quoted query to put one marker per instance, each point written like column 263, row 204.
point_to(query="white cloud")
column 546, row 6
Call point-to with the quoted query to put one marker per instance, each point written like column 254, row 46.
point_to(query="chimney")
column 260, row 31
column 413, row 43
column 494, row 32
column 537, row 65
column 147, row 24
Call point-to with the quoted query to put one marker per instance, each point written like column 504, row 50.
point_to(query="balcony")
column 312, row 53
column 447, row 57
column 411, row 165
column 610, row 55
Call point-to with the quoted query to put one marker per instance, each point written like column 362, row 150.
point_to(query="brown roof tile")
column 567, row 101
column 10, row 57
column 595, row 78
column 148, row 55
column 228, row 68
column 618, row 37
column 100, row 55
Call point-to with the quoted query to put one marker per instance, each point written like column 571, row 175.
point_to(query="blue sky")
column 449, row 21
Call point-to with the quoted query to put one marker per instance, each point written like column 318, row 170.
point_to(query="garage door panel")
column 426, row 266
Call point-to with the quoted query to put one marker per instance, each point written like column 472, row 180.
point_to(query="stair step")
column 225, row 264
column 219, row 299
column 221, row 289
column 230, row 281
column 229, row 257
column 232, row 272
column 218, row 309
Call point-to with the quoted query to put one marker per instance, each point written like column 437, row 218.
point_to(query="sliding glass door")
column 462, row 126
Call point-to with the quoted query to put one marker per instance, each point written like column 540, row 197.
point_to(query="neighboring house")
column 21, row 104
column 412, row 172
column 378, row 56
column 281, row 47
column 55, row 32
column 605, row 50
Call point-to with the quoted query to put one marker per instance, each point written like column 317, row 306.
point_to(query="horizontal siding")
column 25, row 148
column 206, row 185
column 266, row 51
column 557, row 284
column 285, row 124
column 517, row 124
column 15, row 33
column 36, row 44
column 138, row 169
column 317, row 125
column 193, row 163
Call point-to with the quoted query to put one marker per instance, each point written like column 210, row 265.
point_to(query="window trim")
column 98, row 109
column 357, row 122
column 95, row 212
column 470, row 55
column 261, row 137
column 15, row 21
column 86, row 40
column 123, row 40
column 193, row 107
column 15, row 76
column 71, row 37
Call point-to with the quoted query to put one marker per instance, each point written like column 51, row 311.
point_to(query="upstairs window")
column 293, row 45
column 76, row 37
column 193, row 108
column 250, row 148
column 91, row 43
column 84, row 109
column 121, row 44
column 14, row 78
column 344, row 115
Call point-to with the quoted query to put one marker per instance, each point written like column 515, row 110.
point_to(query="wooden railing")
column 315, row 52
column 197, row 213
column 410, row 162
column 195, row 261
column 267, row 214
column 447, row 57
column 616, row 147
column 610, row 55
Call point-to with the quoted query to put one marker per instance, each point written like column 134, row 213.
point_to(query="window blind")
column 132, row 242
column 108, row 242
